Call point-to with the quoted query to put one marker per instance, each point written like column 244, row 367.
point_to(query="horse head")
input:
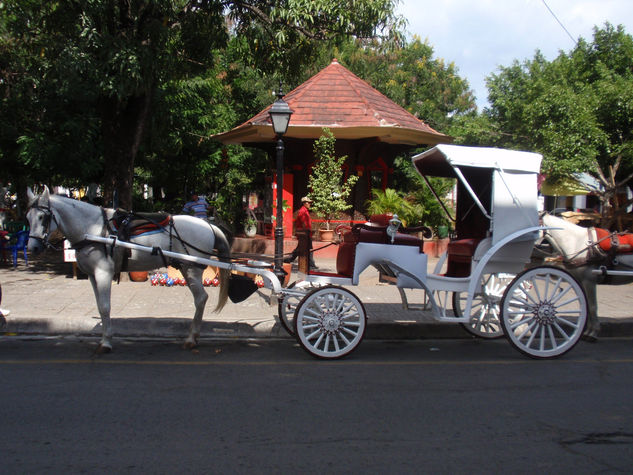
column 41, row 220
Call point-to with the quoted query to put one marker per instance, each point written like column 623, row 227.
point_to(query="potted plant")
column 250, row 223
column 250, row 227
column 393, row 202
column 327, row 189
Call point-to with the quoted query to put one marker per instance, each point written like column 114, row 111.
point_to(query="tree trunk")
column 123, row 123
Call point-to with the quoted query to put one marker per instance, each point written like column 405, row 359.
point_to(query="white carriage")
column 541, row 310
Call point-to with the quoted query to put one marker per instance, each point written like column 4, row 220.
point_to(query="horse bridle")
column 49, row 217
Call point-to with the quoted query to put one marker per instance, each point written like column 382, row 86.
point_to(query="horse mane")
column 84, row 204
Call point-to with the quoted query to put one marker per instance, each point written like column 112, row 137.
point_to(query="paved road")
column 432, row 406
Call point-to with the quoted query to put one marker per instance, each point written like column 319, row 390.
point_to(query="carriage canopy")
column 496, row 189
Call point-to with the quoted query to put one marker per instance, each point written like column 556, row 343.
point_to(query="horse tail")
column 224, row 252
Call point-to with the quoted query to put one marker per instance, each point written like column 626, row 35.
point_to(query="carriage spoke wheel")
column 544, row 312
column 288, row 304
column 330, row 322
column 484, row 313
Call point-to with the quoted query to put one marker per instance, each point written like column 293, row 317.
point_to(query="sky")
column 481, row 35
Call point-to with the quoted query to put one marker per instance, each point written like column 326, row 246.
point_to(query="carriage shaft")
column 270, row 279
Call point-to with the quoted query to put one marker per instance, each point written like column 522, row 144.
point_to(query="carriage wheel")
column 544, row 312
column 330, row 322
column 484, row 313
column 288, row 304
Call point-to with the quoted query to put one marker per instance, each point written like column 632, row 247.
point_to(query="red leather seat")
column 380, row 236
column 460, row 256
column 463, row 247
column 345, row 259
column 346, row 254
column 347, row 249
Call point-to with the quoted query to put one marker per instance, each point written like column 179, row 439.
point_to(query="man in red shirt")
column 303, row 222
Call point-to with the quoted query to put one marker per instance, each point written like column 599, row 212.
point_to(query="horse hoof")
column 103, row 349
column 190, row 345
column 589, row 338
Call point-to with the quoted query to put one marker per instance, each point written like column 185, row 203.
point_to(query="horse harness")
column 49, row 217
column 123, row 226
column 603, row 248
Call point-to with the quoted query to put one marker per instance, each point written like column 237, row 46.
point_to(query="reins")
column 49, row 216
column 593, row 245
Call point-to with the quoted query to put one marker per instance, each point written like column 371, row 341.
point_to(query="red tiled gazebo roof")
column 350, row 107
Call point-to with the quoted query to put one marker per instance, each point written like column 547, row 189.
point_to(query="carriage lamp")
column 280, row 117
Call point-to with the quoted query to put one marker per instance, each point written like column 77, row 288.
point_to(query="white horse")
column 183, row 234
column 582, row 250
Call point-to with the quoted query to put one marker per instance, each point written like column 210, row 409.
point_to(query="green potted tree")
column 327, row 189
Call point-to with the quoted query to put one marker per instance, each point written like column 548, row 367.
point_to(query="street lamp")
column 280, row 117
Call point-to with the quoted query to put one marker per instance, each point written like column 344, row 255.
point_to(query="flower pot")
column 326, row 235
column 138, row 276
column 250, row 231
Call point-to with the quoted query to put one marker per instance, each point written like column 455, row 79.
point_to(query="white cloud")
column 481, row 35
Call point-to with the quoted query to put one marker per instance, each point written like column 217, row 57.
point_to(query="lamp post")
column 280, row 116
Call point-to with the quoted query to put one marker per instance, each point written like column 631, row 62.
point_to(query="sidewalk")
column 44, row 299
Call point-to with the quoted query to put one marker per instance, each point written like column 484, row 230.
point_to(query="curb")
column 179, row 328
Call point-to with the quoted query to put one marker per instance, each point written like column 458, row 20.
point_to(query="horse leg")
column 193, row 276
column 592, row 329
column 584, row 275
column 102, row 286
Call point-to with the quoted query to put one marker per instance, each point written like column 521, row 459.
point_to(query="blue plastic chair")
column 21, row 241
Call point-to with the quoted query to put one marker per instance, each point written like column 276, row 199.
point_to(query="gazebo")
column 369, row 128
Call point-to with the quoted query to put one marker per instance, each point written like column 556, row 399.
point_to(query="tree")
column 328, row 190
column 47, row 133
column 577, row 110
column 120, row 52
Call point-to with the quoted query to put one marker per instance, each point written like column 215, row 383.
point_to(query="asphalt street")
column 264, row 406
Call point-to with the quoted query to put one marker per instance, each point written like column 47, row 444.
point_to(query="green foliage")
column 328, row 190
column 47, row 133
column 475, row 130
column 394, row 202
column 577, row 110
column 96, row 71
column 430, row 211
column 285, row 37
column 434, row 215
